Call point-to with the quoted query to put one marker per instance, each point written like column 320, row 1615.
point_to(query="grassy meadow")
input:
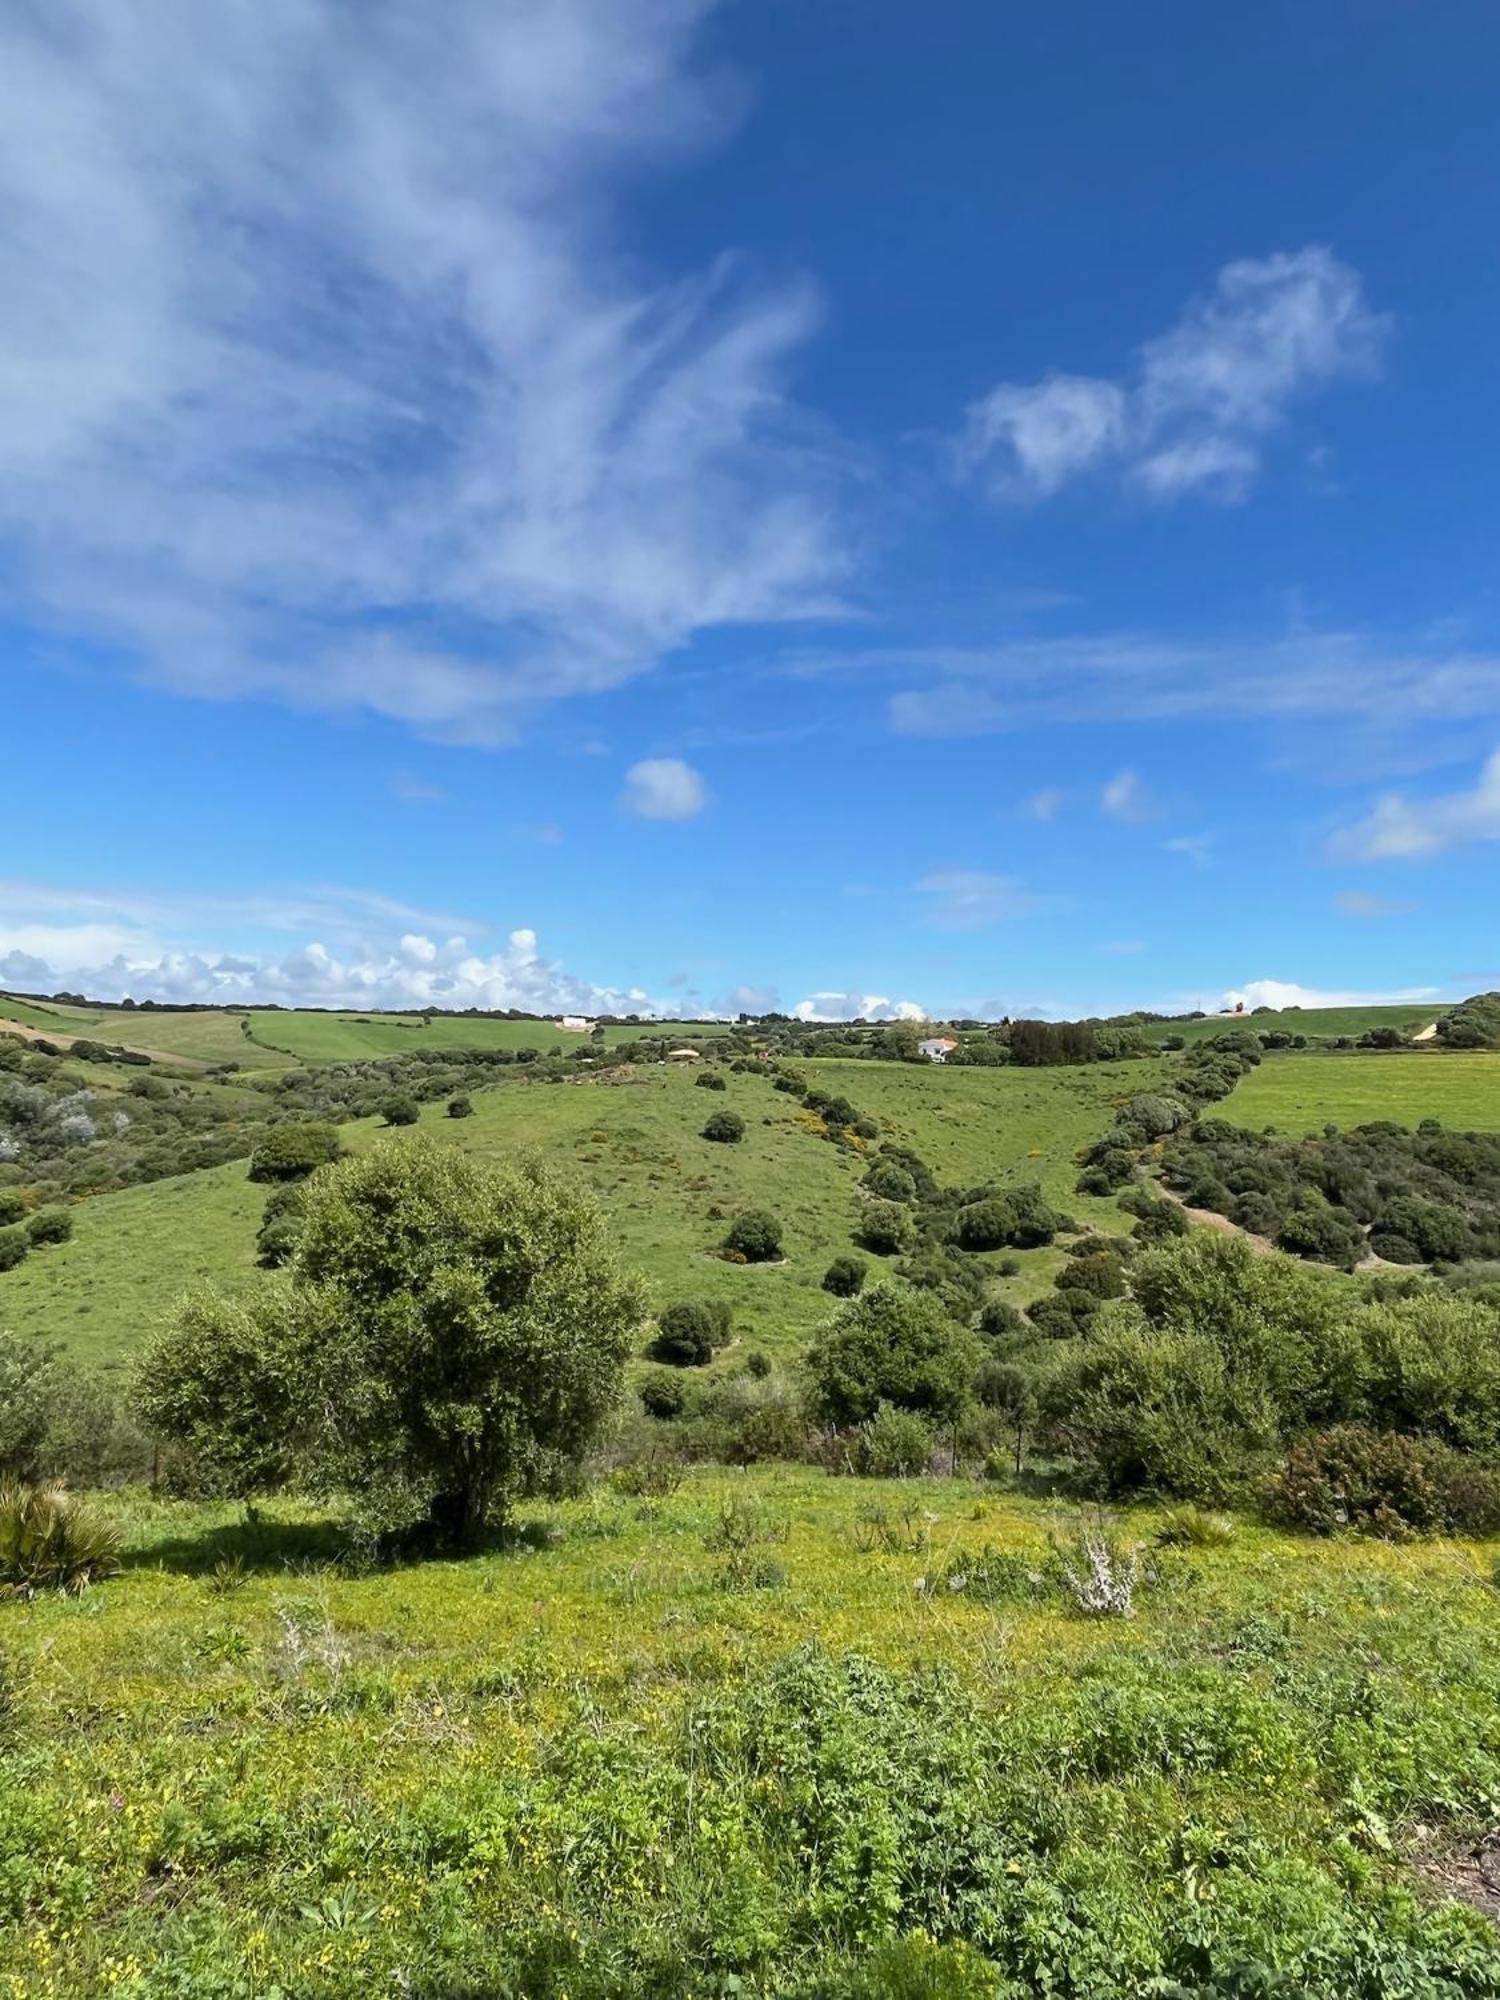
column 1317, row 1023
column 635, row 1137
column 1298, row 1091
column 740, row 1738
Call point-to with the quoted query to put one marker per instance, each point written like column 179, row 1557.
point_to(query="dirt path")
column 1427, row 1034
column 30, row 1034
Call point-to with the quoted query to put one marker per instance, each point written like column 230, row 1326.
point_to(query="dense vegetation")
column 1420, row 1197
column 857, row 1717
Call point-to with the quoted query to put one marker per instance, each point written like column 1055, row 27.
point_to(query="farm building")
column 937, row 1049
column 576, row 1024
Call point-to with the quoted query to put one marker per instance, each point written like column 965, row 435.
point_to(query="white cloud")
column 663, row 788
column 1202, row 399
column 1402, row 829
column 1108, row 677
column 1046, row 804
column 857, row 1007
column 1287, row 993
column 1126, row 799
column 967, row 899
column 321, row 345
column 1045, row 432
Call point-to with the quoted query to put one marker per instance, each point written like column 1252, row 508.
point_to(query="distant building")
column 576, row 1024
column 684, row 1055
column 938, row 1049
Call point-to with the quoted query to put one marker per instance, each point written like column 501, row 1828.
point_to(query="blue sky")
column 839, row 506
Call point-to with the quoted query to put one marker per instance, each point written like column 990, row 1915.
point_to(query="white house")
column 576, row 1024
column 938, row 1049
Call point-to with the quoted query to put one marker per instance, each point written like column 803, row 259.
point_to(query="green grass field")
column 1320, row 1023
column 616, row 1760
column 278, row 1040
column 1302, row 1092
column 635, row 1138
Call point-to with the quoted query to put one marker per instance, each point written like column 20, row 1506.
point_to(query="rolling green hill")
column 634, row 1135
column 1317, row 1023
column 261, row 1039
column 1298, row 1091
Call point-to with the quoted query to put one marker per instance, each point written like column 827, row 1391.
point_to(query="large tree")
column 452, row 1333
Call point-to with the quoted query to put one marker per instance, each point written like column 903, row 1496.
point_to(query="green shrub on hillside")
column 844, row 1277
column 452, row 1337
column 885, row 1227
column 690, row 1333
column 290, row 1151
column 754, row 1237
column 725, row 1128
column 892, row 1345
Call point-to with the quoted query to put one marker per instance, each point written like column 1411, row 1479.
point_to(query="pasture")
column 1298, row 1091
column 634, row 1136
column 1318, row 1023
column 773, row 1732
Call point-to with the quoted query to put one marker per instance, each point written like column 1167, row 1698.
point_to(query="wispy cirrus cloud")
column 1347, row 678
column 969, row 899
column 1194, row 415
column 323, row 376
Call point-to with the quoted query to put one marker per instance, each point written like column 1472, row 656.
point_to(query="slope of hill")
column 635, row 1136
column 1317, row 1023
column 1299, row 1091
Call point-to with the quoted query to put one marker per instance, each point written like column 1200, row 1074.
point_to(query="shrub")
column 400, row 1110
column 1158, row 1221
column 889, row 1182
column 1019, row 1219
column 50, row 1225
column 893, row 1444
column 999, row 1320
column 690, row 1333
column 844, row 1277
column 725, row 1128
column 1380, row 1483
column 453, row 1336
column 892, row 1345
column 14, row 1243
column 54, row 1422
column 291, row 1151
column 280, row 1224
column 51, row 1541
column 885, row 1227
column 663, row 1393
column 755, row 1237
column 12, row 1207
column 460, row 1107
column 1326, row 1234
column 710, row 1079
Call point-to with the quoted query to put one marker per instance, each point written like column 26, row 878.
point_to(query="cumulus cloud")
column 344, row 949
column 857, row 1007
column 663, row 788
column 968, row 899
column 324, row 377
column 1402, row 829
column 1280, row 993
column 1194, row 415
